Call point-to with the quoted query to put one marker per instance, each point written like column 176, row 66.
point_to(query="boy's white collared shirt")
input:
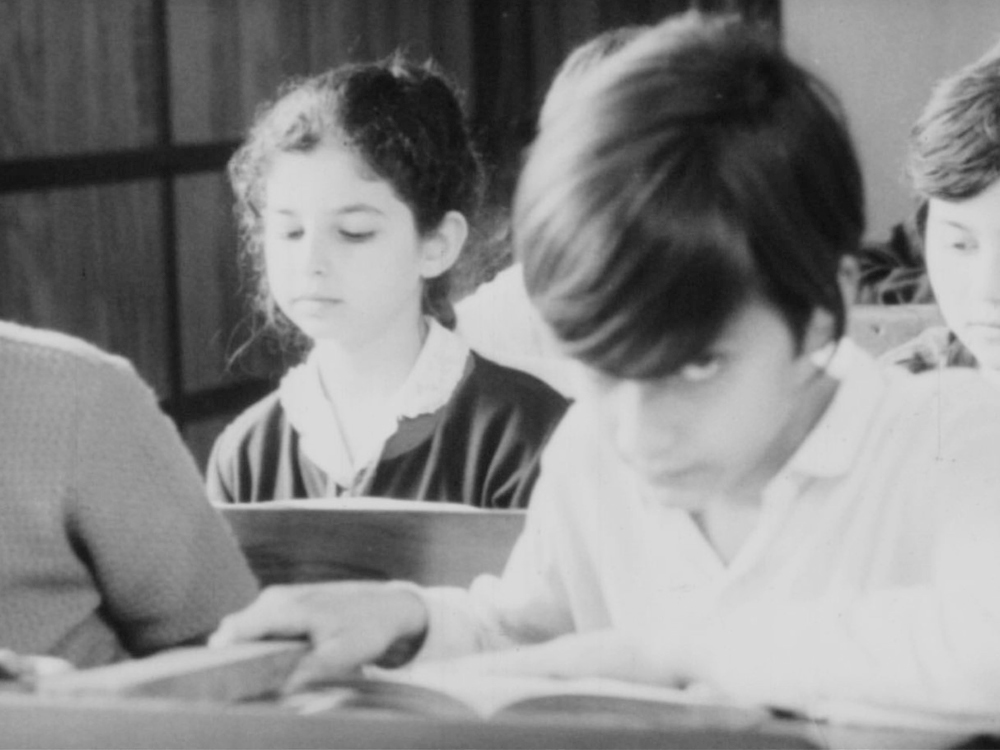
column 438, row 370
column 871, row 574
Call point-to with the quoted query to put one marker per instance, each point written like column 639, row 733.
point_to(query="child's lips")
column 663, row 473
column 317, row 299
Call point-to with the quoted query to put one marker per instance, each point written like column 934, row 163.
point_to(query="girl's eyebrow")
column 358, row 208
column 954, row 223
column 354, row 208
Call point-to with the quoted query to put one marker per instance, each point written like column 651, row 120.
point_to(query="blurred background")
column 118, row 117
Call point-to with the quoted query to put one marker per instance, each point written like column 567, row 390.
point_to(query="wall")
column 119, row 115
column 883, row 57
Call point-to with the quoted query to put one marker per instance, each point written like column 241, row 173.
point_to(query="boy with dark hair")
column 497, row 318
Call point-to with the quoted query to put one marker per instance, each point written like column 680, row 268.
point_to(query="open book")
column 254, row 672
column 433, row 690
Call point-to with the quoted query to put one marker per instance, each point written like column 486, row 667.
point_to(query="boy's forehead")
column 980, row 210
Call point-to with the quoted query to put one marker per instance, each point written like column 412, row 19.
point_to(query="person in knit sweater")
column 109, row 548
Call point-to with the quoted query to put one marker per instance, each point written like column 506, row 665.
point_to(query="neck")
column 372, row 369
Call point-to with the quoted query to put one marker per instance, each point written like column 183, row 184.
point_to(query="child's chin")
column 688, row 496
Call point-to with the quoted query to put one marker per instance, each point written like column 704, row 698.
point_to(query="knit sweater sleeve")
column 167, row 567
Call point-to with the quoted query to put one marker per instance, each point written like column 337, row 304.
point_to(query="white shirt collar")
column 438, row 370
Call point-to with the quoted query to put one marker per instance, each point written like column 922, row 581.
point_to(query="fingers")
column 329, row 661
column 348, row 624
column 276, row 613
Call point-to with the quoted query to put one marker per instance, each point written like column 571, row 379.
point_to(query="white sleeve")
column 528, row 602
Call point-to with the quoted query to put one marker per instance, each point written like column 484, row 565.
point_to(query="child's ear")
column 439, row 250
column 819, row 331
column 849, row 279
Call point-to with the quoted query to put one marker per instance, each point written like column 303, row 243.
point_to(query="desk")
column 879, row 328
column 433, row 544
column 32, row 722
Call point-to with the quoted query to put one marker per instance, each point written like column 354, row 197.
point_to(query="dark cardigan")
column 482, row 448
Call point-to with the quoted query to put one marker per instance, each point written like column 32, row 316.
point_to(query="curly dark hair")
column 405, row 120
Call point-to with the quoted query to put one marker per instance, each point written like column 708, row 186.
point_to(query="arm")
column 610, row 654
column 349, row 624
column 354, row 624
column 167, row 567
column 528, row 603
column 934, row 646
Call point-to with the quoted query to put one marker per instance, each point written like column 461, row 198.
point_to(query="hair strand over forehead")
column 696, row 168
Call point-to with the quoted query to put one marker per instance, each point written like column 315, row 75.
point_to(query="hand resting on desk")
column 349, row 624
column 354, row 624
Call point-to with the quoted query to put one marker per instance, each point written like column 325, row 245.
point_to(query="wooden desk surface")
column 879, row 328
column 299, row 543
column 186, row 699
column 32, row 722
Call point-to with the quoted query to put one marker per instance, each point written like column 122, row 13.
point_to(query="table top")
column 29, row 721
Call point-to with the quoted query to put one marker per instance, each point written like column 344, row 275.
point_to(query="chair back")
column 879, row 328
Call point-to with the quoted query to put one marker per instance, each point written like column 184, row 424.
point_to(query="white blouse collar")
column 436, row 374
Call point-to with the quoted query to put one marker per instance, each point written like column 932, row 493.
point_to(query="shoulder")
column 509, row 388
column 577, row 441
column 959, row 398
column 38, row 347
column 945, row 433
column 952, row 395
column 943, row 422
column 57, row 369
column 580, row 469
column 492, row 297
column 259, row 423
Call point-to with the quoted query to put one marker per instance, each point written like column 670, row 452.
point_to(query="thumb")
column 329, row 662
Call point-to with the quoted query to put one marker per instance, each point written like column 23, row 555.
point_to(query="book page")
column 490, row 695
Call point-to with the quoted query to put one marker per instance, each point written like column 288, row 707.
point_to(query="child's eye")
column 357, row 235
column 283, row 231
column 701, row 368
column 959, row 242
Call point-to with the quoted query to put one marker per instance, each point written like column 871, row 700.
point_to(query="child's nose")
column 316, row 259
